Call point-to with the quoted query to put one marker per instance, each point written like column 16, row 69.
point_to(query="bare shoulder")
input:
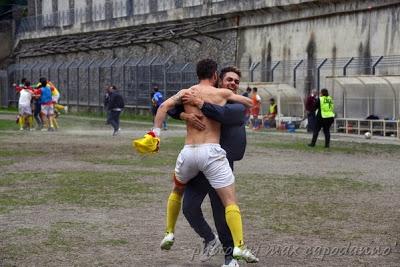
column 177, row 98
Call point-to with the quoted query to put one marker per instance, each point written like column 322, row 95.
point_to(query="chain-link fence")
column 307, row 74
column 82, row 82
column 3, row 88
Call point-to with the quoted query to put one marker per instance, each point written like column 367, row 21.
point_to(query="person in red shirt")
column 310, row 104
column 248, row 111
column 255, row 110
column 18, row 88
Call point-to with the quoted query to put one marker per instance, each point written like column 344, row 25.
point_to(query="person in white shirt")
column 24, row 106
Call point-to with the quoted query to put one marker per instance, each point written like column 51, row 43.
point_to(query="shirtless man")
column 202, row 152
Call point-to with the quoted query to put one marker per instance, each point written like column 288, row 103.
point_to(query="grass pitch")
column 82, row 197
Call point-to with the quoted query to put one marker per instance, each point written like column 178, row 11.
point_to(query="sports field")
column 80, row 197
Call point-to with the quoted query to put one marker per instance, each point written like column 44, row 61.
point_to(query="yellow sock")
column 173, row 208
column 59, row 107
column 30, row 121
column 21, row 122
column 234, row 221
column 55, row 123
column 45, row 122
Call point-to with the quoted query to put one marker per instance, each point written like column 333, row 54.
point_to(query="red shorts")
column 255, row 111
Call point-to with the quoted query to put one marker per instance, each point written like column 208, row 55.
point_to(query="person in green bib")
column 324, row 107
column 269, row 118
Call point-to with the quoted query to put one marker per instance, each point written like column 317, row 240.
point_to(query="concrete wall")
column 263, row 31
column 352, row 29
column 148, row 12
column 320, row 33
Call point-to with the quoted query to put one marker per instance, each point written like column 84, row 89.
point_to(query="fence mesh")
column 82, row 82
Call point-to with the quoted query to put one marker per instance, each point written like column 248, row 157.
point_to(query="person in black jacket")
column 233, row 141
column 310, row 109
column 115, row 106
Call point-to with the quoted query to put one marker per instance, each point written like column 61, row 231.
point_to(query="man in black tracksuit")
column 233, row 141
column 115, row 106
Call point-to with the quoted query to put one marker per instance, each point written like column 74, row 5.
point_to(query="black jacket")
column 115, row 101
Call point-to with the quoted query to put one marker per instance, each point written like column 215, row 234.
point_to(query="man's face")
column 231, row 81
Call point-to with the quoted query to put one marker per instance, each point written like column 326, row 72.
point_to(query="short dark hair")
column 113, row 87
column 23, row 80
column 229, row 69
column 43, row 81
column 255, row 89
column 155, row 88
column 27, row 83
column 206, row 68
column 272, row 100
column 248, row 89
column 324, row 92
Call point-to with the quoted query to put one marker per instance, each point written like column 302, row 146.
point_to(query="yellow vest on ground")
column 327, row 107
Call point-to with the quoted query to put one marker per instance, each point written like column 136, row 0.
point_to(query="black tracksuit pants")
column 195, row 192
column 325, row 124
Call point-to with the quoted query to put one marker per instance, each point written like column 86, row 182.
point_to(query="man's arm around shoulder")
column 230, row 114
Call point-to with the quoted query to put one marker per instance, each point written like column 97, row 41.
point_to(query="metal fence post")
column 123, row 77
column 58, row 74
column 273, row 70
column 78, row 84
column 294, row 72
column 346, row 65
column 253, row 66
column 165, row 76
column 98, row 79
column 319, row 73
column 165, row 80
column 137, row 84
column 88, row 88
column 181, row 71
column 150, row 63
column 111, row 70
column 376, row 64
column 31, row 70
column 6, row 95
column 68, row 87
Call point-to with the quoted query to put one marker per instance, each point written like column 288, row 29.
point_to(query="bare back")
column 212, row 131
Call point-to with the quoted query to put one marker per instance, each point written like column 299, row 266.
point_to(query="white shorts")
column 48, row 110
column 55, row 98
column 207, row 158
column 25, row 110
